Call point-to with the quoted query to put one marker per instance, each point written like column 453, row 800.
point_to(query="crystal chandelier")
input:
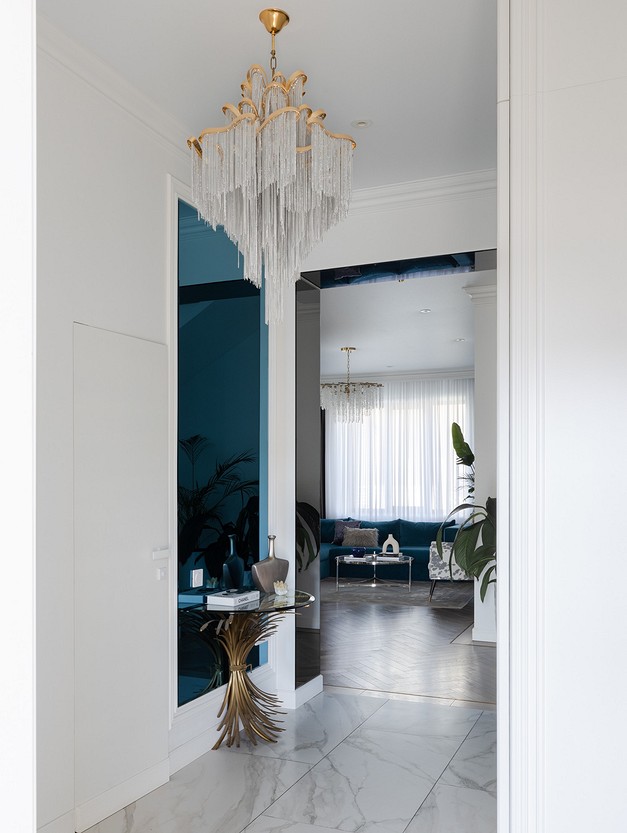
column 350, row 401
column 274, row 177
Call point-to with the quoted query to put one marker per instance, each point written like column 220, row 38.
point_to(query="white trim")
column 481, row 293
column 99, row 75
column 502, row 587
column 296, row 698
column 525, row 788
column 176, row 190
column 425, row 375
column 118, row 797
column 402, row 196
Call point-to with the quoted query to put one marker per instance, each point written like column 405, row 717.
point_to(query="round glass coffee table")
column 239, row 630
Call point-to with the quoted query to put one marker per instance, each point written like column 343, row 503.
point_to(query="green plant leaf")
column 465, row 544
column 465, row 457
column 486, row 581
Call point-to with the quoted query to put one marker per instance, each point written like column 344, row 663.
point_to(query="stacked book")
column 219, row 598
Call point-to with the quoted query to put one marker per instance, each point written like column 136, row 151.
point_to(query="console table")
column 239, row 630
column 372, row 561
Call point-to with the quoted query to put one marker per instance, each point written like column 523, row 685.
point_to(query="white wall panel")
column 568, row 400
column 585, row 408
column 102, row 208
column 121, row 601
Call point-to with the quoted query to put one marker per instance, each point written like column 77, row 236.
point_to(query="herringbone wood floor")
column 392, row 646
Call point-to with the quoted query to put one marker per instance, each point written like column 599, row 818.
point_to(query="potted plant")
column 474, row 546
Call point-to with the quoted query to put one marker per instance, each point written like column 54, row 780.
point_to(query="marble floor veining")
column 345, row 761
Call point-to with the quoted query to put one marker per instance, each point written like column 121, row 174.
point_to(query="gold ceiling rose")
column 273, row 176
column 350, row 401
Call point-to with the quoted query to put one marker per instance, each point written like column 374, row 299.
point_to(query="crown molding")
column 421, row 376
column 97, row 74
column 482, row 294
column 403, row 195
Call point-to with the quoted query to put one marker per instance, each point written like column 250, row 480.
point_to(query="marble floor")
column 346, row 761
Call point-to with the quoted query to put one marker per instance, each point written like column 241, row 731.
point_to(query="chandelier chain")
column 273, row 62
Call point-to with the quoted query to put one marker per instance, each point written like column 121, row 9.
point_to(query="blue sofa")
column 414, row 538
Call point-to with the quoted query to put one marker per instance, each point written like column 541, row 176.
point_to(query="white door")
column 121, row 608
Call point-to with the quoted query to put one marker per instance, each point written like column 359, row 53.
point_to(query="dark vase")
column 233, row 569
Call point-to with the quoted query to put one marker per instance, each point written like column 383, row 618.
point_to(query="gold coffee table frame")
column 239, row 630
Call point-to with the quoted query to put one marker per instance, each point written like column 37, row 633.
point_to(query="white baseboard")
column 484, row 635
column 109, row 802
column 63, row 824
column 295, row 699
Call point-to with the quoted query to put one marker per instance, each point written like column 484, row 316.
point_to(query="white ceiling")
column 424, row 74
column 391, row 336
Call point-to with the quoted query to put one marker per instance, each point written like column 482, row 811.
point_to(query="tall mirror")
column 221, row 417
column 308, row 476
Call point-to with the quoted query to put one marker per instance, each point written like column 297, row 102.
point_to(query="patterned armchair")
column 439, row 569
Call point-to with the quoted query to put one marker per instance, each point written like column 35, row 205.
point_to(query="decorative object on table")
column 271, row 569
column 474, row 546
column 358, row 552
column 350, row 401
column 307, row 534
column 231, row 598
column 390, row 545
column 280, row 588
column 360, row 538
column 233, row 568
column 273, row 166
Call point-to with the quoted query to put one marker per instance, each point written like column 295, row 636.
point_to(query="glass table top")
column 267, row 602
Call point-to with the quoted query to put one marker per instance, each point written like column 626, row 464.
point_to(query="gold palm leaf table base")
column 245, row 706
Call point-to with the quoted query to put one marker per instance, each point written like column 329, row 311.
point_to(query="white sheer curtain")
column 399, row 463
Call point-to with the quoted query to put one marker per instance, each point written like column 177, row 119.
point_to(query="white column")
column 282, row 480
column 484, row 307
column 17, row 424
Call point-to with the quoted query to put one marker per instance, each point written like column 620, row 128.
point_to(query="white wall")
column 17, row 422
column 568, row 178
column 102, row 194
column 414, row 219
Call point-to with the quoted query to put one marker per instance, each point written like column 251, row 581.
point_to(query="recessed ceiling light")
column 460, row 339
column 361, row 123
column 425, row 310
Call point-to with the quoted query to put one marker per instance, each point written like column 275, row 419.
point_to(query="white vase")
column 390, row 545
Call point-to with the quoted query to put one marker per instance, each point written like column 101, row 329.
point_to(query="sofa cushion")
column 327, row 530
column 340, row 526
column 385, row 528
column 418, row 533
column 360, row 537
